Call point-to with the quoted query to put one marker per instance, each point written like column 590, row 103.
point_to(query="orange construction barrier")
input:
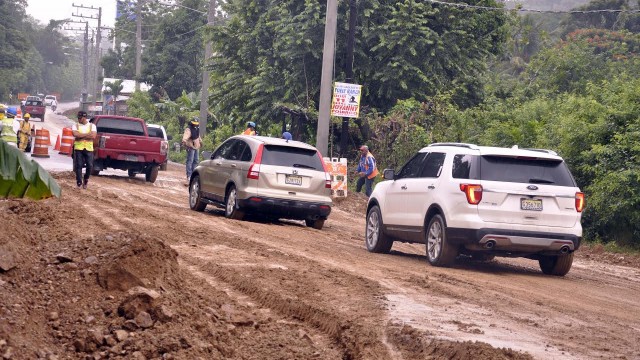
column 57, row 147
column 67, row 142
column 41, row 147
column 338, row 170
column 19, row 112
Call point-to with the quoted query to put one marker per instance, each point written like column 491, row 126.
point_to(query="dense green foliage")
column 268, row 55
column 35, row 58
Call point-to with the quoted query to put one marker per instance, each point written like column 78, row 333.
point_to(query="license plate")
column 293, row 180
column 531, row 204
column 130, row 158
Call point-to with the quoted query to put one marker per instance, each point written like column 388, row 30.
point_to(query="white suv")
column 481, row 202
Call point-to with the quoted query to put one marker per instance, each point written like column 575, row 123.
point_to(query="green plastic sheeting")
column 21, row 177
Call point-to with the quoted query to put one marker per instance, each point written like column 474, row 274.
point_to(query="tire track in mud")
column 357, row 340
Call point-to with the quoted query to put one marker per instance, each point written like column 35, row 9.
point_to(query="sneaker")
column 84, row 186
column 79, row 186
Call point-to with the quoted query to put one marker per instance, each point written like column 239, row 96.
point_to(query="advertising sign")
column 346, row 100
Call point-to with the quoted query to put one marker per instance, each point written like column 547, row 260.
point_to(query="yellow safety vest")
column 8, row 134
column 83, row 144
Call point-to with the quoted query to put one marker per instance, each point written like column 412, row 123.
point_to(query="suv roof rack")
column 464, row 145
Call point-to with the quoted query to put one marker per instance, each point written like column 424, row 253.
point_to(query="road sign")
column 346, row 100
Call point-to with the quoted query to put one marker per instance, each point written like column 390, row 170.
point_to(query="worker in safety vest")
column 367, row 170
column 251, row 128
column 84, row 133
column 24, row 132
column 10, row 126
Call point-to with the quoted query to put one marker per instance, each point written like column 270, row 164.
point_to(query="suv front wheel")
column 375, row 240
column 439, row 251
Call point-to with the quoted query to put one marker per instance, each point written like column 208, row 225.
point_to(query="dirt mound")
column 142, row 262
column 353, row 203
column 598, row 253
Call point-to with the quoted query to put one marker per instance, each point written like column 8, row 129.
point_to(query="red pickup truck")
column 123, row 143
column 35, row 107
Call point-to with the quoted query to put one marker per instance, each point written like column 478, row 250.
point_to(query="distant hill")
column 555, row 5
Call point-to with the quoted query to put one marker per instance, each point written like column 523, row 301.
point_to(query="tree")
column 174, row 56
column 270, row 53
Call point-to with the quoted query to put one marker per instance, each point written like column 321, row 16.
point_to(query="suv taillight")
column 327, row 175
column 254, row 169
column 102, row 142
column 579, row 201
column 473, row 192
column 164, row 147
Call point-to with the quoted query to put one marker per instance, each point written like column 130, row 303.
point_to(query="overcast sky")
column 45, row 10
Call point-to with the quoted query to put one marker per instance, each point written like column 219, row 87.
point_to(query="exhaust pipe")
column 564, row 249
column 490, row 244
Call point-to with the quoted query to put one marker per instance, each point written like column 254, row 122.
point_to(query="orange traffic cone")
column 57, row 147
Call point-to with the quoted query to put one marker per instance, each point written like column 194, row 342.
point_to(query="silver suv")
column 273, row 177
column 481, row 202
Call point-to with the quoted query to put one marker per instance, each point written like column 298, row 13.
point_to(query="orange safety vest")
column 374, row 173
column 249, row 132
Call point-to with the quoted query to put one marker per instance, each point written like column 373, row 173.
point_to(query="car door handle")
column 217, row 163
column 234, row 165
column 431, row 187
column 403, row 187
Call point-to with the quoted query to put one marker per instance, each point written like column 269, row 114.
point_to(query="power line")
column 462, row 5
column 182, row 6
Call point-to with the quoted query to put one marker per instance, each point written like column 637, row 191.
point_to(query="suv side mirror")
column 388, row 174
column 207, row 155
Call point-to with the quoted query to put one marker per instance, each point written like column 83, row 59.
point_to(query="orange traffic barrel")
column 67, row 142
column 41, row 147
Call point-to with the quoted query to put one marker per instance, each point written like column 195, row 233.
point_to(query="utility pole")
column 96, row 87
column 204, row 92
column 85, row 61
column 326, row 82
column 353, row 13
column 138, row 43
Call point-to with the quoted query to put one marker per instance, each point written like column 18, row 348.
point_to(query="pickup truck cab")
column 124, row 143
column 35, row 107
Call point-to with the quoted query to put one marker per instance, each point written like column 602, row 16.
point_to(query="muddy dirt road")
column 260, row 290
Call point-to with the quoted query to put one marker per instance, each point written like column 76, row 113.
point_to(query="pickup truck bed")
column 123, row 143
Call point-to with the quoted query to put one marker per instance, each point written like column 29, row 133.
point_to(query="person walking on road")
column 251, row 129
column 367, row 170
column 191, row 139
column 10, row 127
column 24, row 132
column 84, row 133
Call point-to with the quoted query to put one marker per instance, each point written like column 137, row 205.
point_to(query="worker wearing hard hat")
column 24, row 132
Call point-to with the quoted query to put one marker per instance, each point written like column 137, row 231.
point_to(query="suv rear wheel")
column 231, row 209
column 375, row 240
column 316, row 224
column 556, row 265
column 195, row 198
column 439, row 251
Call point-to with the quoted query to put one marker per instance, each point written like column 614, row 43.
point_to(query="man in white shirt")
column 84, row 133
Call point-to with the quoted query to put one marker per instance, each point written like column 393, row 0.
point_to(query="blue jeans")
column 192, row 161
column 368, row 183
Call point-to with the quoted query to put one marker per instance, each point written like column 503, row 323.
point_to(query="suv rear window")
column 155, row 132
column 510, row 169
column 120, row 126
column 292, row 157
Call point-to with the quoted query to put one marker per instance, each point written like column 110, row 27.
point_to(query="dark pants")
column 368, row 185
column 80, row 158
